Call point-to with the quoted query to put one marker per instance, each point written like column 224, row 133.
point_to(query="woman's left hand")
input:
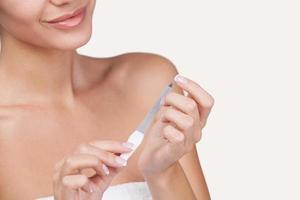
column 177, row 129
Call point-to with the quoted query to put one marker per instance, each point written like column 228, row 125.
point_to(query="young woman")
column 65, row 117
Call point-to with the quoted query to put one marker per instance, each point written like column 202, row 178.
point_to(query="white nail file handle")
column 136, row 138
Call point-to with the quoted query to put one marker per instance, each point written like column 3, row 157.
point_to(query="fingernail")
column 121, row 161
column 91, row 190
column 105, row 169
column 128, row 145
column 180, row 79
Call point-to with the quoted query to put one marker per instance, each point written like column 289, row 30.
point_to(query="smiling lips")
column 69, row 20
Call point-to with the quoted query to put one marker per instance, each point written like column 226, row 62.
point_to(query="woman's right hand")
column 69, row 183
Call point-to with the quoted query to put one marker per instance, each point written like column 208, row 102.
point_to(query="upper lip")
column 66, row 16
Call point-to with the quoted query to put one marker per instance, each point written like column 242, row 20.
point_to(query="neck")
column 31, row 74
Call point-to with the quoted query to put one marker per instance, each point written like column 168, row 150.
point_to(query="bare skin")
column 36, row 136
column 108, row 106
column 54, row 101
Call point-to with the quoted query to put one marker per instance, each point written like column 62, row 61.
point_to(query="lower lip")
column 71, row 22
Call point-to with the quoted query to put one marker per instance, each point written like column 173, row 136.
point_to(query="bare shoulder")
column 146, row 74
column 152, row 67
column 137, row 71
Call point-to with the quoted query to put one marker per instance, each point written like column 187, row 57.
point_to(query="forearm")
column 194, row 173
column 171, row 184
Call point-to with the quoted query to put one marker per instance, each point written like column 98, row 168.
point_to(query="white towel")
column 124, row 191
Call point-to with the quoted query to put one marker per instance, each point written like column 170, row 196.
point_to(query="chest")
column 32, row 142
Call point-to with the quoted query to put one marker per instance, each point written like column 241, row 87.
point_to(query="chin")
column 68, row 39
column 71, row 42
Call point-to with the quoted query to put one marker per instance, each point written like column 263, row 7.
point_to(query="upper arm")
column 148, row 74
column 152, row 73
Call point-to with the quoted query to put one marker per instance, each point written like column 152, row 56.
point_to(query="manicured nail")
column 121, row 161
column 180, row 79
column 105, row 169
column 128, row 145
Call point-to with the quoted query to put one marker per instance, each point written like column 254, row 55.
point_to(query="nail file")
column 137, row 136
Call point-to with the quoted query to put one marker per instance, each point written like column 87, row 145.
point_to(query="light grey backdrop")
column 246, row 54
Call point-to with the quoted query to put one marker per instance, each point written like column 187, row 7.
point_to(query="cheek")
column 21, row 17
column 20, row 12
column 29, row 11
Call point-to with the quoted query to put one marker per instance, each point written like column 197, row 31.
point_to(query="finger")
column 74, row 181
column 112, row 145
column 183, row 121
column 182, row 103
column 75, row 163
column 173, row 135
column 101, row 183
column 104, row 182
column 195, row 91
column 108, row 158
